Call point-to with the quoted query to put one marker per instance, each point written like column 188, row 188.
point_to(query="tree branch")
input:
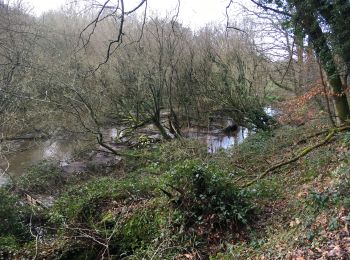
column 271, row 9
column 306, row 151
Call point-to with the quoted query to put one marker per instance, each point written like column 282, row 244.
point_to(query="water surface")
column 31, row 152
column 216, row 140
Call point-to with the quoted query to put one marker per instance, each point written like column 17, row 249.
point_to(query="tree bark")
column 308, row 19
column 337, row 15
column 162, row 130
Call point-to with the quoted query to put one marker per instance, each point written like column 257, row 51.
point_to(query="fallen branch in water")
column 329, row 137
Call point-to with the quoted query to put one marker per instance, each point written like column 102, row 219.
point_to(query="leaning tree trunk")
column 157, row 123
column 161, row 129
column 336, row 13
column 312, row 27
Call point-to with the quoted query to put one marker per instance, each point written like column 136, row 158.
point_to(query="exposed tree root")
column 329, row 138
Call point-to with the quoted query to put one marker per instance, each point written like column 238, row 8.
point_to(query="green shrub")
column 136, row 228
column 139, row 159
column 346, row 138
column 8, row 243
column 122, row 210
column 139, row 231
column 13, row 216
column 43, row 178
column 84, row 202
column 177, row 151
column 255, row 146
column 268, row 188
column 206, row 196
column 318, row 200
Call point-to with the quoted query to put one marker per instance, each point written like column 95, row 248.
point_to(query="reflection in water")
column 62, row 150
column 217, row 142
column 32, row 153
column 220, row 141
column 112, row 133
column 271, row 111
column 57, row 150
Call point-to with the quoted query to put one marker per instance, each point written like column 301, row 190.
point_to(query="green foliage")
column 13, row 215
column 256, row 145
column 139, row 159
column 332, row 197
column 206, row 196
column 317, row 161
column 346, row 138
column 267, row 188
column 144, row 141
column 177, row 151
column 84, row 202
column 139, row 231
column 170, row 205
column 333, row 224
column 123, row 210
column 137, row 217
column 341, row 188
column 318, row 200
column 43, row 178
column 161, row 158
column 8, row 243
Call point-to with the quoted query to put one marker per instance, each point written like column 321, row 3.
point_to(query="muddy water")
column 62, row 150
column 31, row 152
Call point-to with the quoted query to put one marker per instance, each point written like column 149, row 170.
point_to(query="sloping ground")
column 176, row 201
column 304, row 205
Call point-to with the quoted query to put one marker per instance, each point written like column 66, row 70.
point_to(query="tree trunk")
column 311, row 26
column 337, row 15
column 161, row 130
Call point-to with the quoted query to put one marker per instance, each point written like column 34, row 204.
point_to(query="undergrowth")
column 135, row 216
column 43, row 178
column 14, row 219
column 177, row 201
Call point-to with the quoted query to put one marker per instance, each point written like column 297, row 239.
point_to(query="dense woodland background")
column 75, row 72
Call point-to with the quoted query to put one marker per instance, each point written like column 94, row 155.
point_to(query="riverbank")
column 77, row 153
column 176, row 200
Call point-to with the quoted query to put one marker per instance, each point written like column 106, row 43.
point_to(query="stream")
column 216, row 140
column 62, row 150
